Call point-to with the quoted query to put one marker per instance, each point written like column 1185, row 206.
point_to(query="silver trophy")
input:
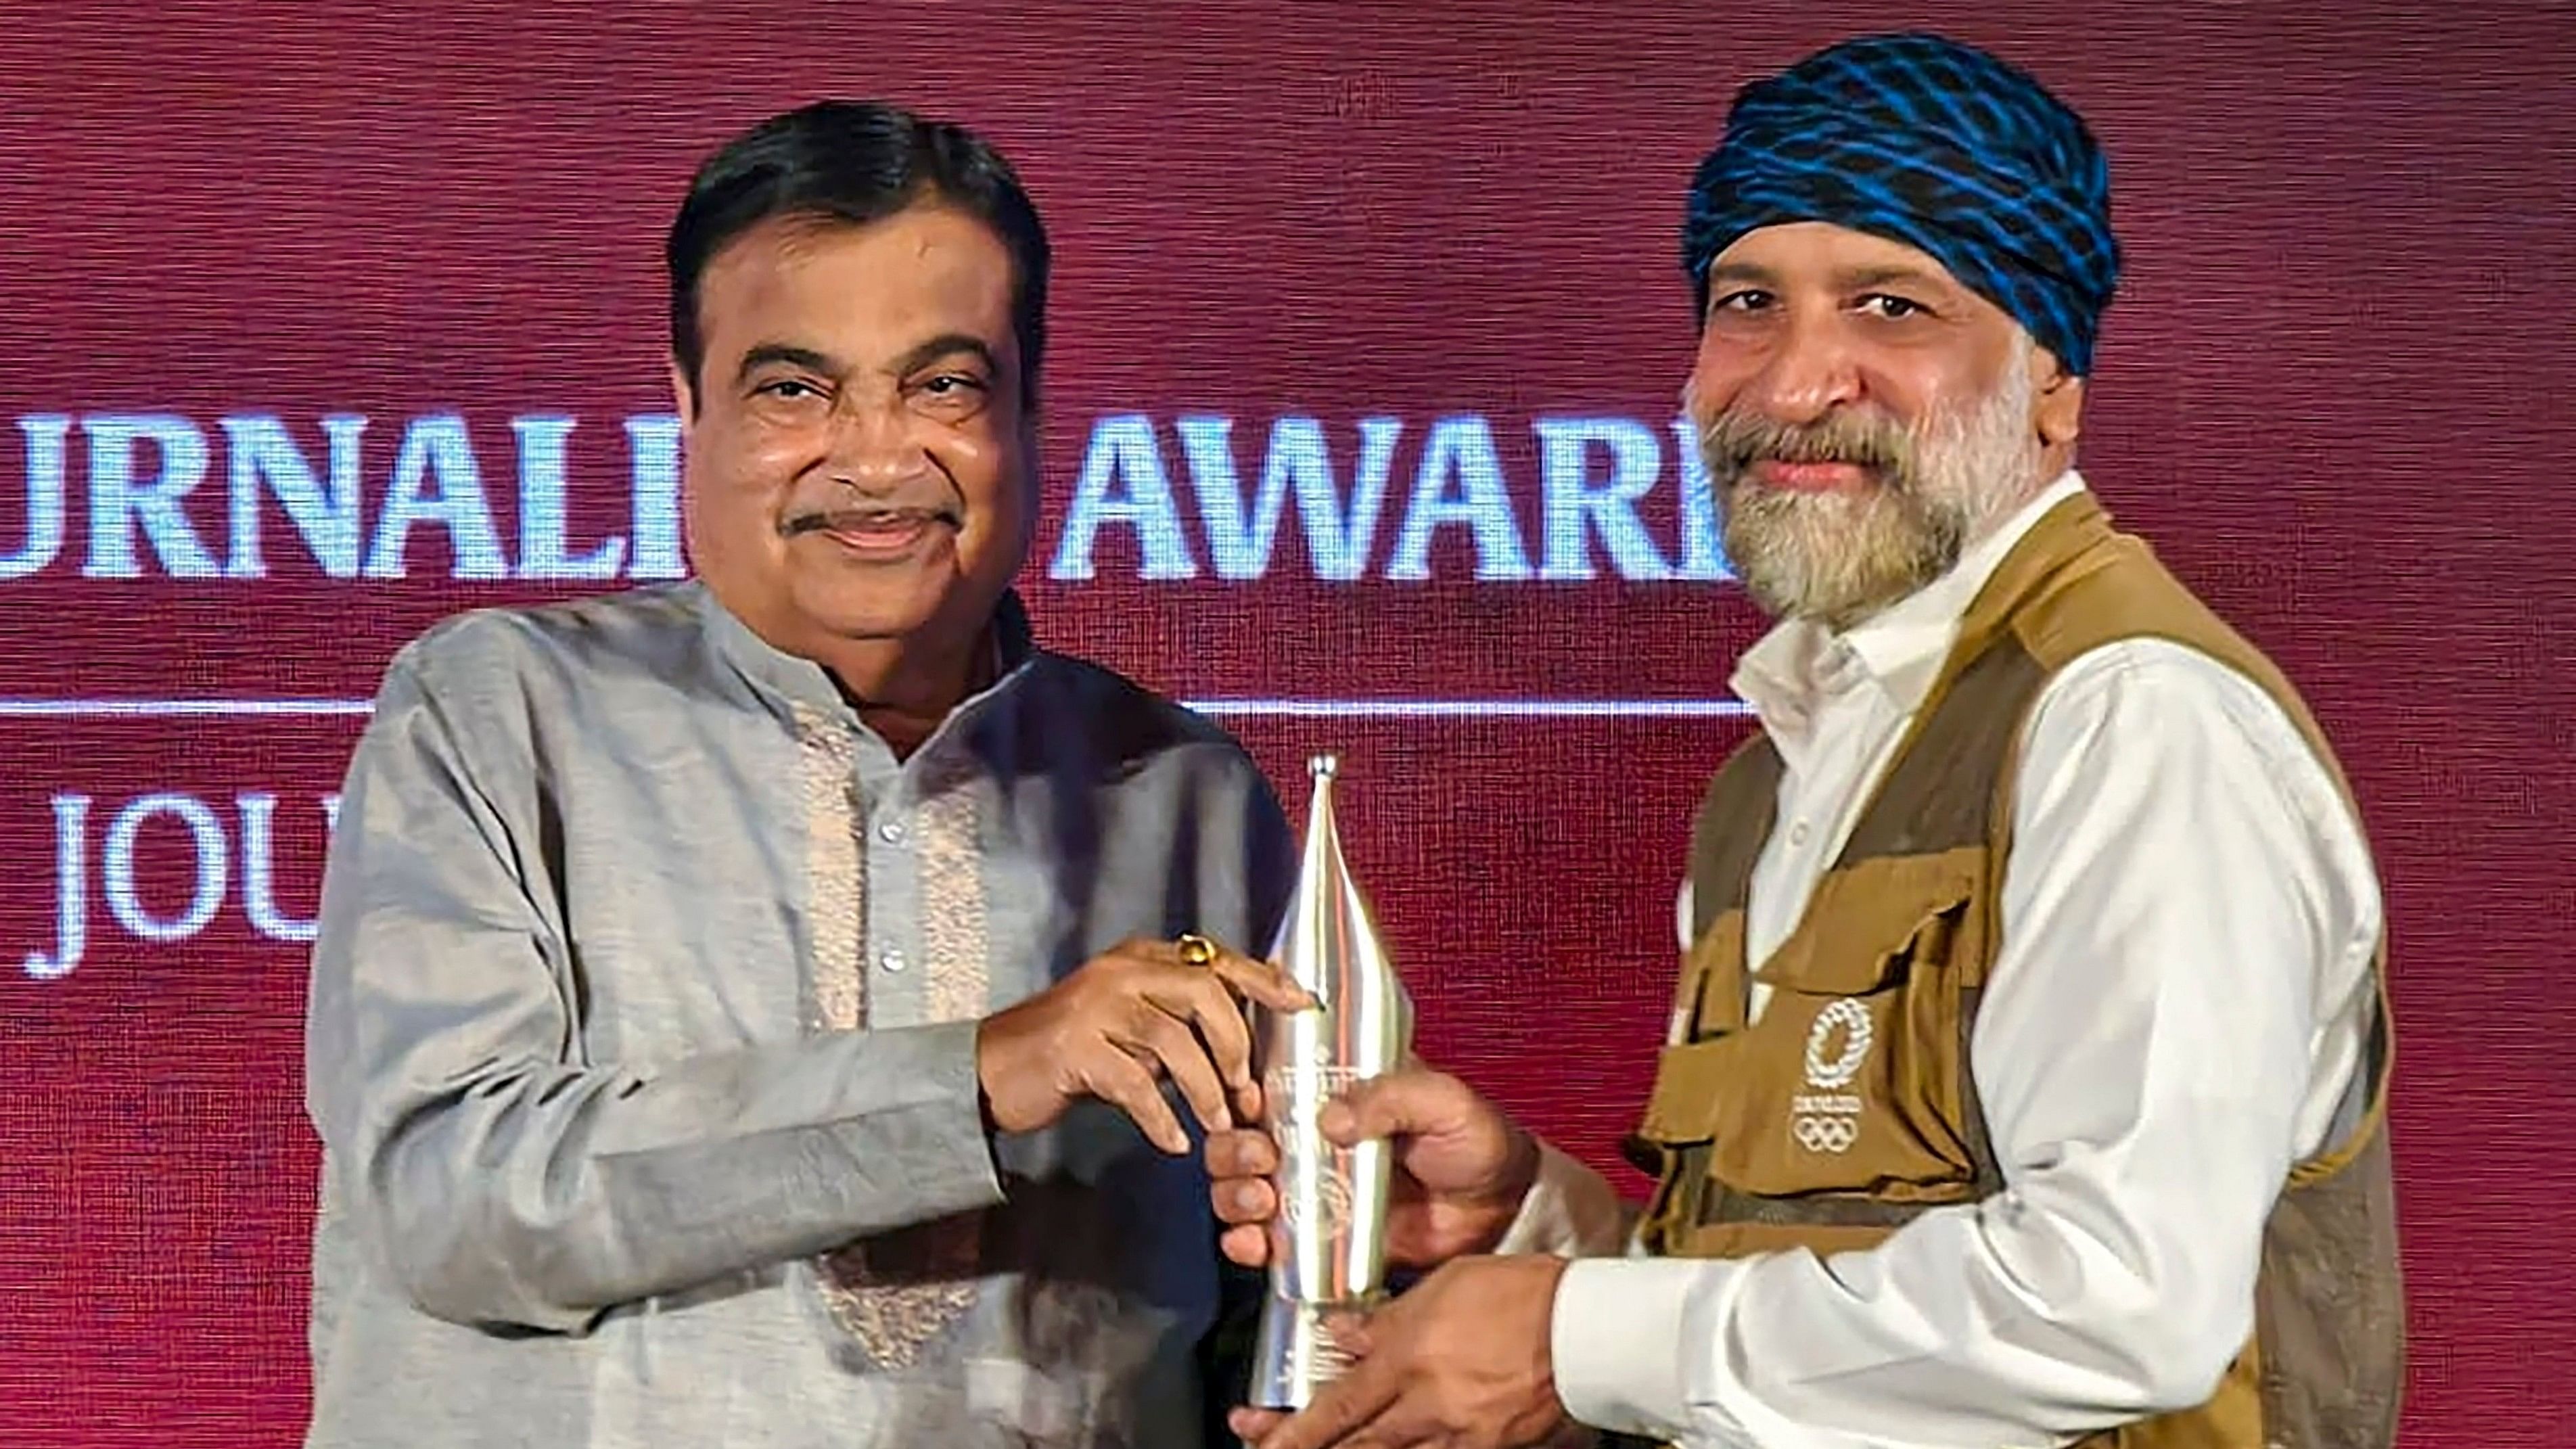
column 1328, row 1245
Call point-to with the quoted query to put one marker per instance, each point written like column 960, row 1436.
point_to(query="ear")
column 2058, row 412
column 683, row 395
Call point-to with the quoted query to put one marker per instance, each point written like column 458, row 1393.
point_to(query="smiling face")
column 859, row 458
column 1864, row 417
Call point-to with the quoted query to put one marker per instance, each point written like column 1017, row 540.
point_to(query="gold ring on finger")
column 1197, row 950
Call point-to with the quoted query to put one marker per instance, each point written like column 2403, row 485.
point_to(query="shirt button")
column 891, row 832
column 1798, row 833
column 890, row 961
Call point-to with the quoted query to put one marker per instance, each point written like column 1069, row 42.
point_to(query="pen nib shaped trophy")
column 1328, row 1245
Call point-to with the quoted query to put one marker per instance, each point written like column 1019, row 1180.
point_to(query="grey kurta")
column 641, row 1046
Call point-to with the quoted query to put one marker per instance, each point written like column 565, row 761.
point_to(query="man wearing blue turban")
column 2025, row 1080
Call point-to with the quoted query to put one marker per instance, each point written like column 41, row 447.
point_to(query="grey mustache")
column 829, row 518
column 1739, row 442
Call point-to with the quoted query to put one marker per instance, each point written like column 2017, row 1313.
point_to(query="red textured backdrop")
column 2334, row 390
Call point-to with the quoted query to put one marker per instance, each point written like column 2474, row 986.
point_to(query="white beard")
column 1842, row 556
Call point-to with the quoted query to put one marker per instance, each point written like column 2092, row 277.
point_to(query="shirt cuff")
column 937, row 1157
column 1569, row 1210
column 1616, row 1338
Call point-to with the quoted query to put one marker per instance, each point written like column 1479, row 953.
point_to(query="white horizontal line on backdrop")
column 220, row 708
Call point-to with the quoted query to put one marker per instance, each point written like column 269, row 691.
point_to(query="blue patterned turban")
column 1930, row 143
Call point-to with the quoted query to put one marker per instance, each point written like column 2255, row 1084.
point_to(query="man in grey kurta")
column 715, row 1042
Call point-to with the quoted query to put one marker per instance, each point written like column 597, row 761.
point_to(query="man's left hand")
column 1460, row 1361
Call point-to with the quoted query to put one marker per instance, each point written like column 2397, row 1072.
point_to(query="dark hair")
column 854, row 162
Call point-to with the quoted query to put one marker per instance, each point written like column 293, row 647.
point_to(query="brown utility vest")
column 1849, row 1107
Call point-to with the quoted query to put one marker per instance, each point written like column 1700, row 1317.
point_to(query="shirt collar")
column 800, row 681
column 1794, row 668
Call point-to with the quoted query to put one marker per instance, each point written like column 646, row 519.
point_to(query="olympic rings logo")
column 1825, row 1134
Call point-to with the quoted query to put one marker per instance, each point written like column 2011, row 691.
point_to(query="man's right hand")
column 1462, row 1168
column 1119, row 1025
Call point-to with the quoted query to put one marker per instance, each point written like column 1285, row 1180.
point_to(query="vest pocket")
column 1690, row 1075
column 1709, row 998
column 1872, row 923
column 1690, row 1088
column 1852, row 1080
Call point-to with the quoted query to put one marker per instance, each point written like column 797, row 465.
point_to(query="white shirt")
column 2175, row 1015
